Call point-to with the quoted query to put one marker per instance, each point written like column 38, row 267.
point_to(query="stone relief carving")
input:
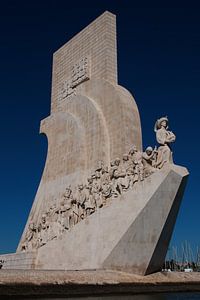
column 67, row 89
column 1, row 263
column 80, row 73
column 105, row 184
column 149, row 160
column 31, row 241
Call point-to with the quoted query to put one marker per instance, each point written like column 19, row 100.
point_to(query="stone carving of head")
column 32, row 226
column 43, row 218
column 162, row 122
column 73, row 201
column 112, row 163
column 149, row 150
column 90, row 180
column 100, row 165
column 68, row 191
column 97, row 174
column 125, row 157
column 132, row 150
column 93, row 176
column 105, row 170
column 80, row 187
column 117, row 161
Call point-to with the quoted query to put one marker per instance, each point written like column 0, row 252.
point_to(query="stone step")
column 22, row 260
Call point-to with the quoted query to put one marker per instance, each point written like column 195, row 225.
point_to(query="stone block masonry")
column 97, row 42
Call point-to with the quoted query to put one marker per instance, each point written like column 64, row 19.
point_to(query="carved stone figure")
column 30, row 242
column 52, row 218
column 89, row 202
column 149, row 157
column 80, row 199
column 96, row 189
column 75, row 212
column 100, row 166
column 63, row 218
column 105, row 176
column 106, row 185
column 130, row 167
column 118, row 175
column 43, row 230
column 68, row 194
column 138, row 164
column 164, row 137
column 112, row 168
column 68, row 197
column 52, row 212
column 126, row 180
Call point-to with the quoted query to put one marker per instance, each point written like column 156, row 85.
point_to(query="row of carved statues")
column 104, row 184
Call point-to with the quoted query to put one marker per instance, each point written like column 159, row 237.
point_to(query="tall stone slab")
column 87, row 106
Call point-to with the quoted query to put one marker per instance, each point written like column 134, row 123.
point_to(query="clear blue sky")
column 158, row 61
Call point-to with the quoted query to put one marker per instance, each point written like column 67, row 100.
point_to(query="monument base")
column 130, row 233
column 46, row 284
column 19, row 260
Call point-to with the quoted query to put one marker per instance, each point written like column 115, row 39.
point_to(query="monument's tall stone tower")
column 92, row 117
column 101, row 202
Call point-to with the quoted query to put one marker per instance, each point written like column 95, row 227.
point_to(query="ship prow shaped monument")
column 103, row 202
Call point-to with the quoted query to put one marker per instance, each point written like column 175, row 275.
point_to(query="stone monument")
column 102, row 202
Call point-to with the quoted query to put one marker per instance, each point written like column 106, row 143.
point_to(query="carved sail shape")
column 85, row 131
